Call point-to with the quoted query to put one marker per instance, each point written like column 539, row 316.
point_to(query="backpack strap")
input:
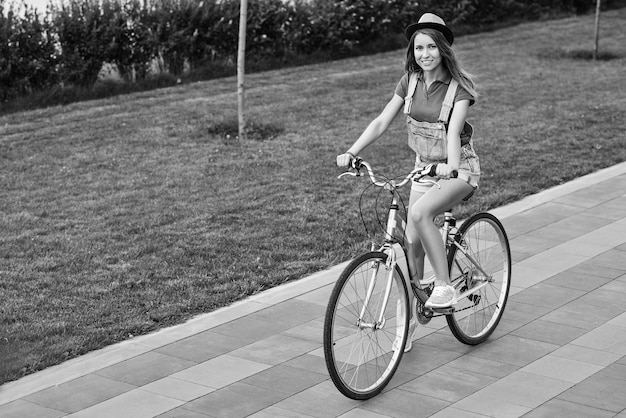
column 408, row 99
column 448, row 101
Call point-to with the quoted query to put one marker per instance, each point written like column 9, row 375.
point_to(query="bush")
column 197, row 39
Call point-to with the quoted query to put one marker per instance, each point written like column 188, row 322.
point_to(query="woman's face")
column 427, row 54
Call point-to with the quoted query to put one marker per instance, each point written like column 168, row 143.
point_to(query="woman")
column 432, row 64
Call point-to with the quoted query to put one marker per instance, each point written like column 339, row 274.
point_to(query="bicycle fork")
column 380, row 322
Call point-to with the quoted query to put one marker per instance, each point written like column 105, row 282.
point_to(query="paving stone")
column 537, row 217
column 525, row 275
column 80, row 393
column 487, row 367
column 618, row 286
column 601, row 298
column 362, row 413
column 402, row 404
column 586, row 320
column 612, row 258
column 518, row 256
column 532, row 243
column 549, row 332
column 310, row 331
column 598, row 391
column 523, row 313
column 486, row 405
column 422, row 359
column 505, row 326
column 572, row 227
column 274, row 412
column 180, row 412
column 452, row 412
column 576, row 279
column 615, row 370
column 22, row 409
column 583, row 315
column 145, row 368
column 236, row 400
column 321, row 401
column 596, row 270
column 399, row 378
column 291, row 313
column 308, row 362
column 220, row 371
column 202, row 347
column 285, row 379
column 319, row 296
column 519, row 388
column 572, row 371
column 613, row 209
column 445, row 339
column 275, row 349
column 249, row 329
column 448, row 383
column 177, row 389
column 135, row 403
column 606, row 338
column 547, row 295
column 560, row 408
column 586, row 355
column 513, row 350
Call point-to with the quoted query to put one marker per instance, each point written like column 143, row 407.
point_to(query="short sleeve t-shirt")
column 426, row 105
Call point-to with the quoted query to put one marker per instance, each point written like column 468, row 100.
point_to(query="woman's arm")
column 374, row 130
column 457, row 120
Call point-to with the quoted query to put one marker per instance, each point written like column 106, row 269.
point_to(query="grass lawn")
column 125, row 215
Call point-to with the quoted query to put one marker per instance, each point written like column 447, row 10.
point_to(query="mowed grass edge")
column 126, row 215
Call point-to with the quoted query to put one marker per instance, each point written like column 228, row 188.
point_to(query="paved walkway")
column 560, row 349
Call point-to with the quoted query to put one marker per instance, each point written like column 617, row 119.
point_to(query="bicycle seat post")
column 449, row 222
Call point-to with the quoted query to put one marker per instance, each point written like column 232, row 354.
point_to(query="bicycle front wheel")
column 481, row 262
column 362, row 352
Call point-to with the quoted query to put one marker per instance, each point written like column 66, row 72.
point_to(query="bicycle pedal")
column 443, row 311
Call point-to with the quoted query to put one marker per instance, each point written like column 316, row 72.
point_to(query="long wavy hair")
column 449, row 60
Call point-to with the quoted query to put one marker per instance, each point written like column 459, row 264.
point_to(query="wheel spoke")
column 484, row 249
column 360, row 359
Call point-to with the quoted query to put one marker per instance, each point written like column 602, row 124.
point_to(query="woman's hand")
column 343, row 160
column 444, row 170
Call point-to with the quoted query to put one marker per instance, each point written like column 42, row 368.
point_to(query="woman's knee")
column 420, row 214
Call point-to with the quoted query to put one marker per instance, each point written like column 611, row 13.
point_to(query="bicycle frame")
column 389, row 247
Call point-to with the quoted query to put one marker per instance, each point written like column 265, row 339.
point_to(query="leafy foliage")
column 69, row 44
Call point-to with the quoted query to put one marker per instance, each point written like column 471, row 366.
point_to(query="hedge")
column 68, row 44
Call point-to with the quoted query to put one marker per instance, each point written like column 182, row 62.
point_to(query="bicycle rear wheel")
column 484, row 263
column 361, row 354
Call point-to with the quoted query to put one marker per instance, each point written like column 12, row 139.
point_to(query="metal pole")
column 597, row 36
column 241, row 59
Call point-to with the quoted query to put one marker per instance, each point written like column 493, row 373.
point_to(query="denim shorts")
column 469, row 169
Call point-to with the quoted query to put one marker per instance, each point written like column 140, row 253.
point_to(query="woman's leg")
column 415, row 254
column 422, row 213
column 414, row 246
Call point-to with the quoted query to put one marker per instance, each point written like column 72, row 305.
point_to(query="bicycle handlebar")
column 417, row 174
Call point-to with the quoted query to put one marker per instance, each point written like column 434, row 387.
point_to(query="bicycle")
column 367, row 317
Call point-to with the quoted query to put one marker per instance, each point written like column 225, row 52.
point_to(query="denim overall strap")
column 410, row 91
column 448, row 101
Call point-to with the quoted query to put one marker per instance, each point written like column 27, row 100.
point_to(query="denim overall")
column 430, row 142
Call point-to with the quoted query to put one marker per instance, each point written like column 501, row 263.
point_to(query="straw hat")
column 430, row 21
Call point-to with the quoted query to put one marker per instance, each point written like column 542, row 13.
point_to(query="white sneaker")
column 442, row 297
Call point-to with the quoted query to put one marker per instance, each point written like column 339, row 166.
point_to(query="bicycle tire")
column 477, row 315
column 360, row 360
